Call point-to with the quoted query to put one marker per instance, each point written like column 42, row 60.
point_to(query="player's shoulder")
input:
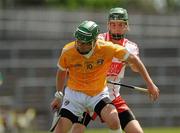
column 128, row 43
column 108, row 46
column 69, row 46
column 102, row 36
column 103, row 43
column 131, row 47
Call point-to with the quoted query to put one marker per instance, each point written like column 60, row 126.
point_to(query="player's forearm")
column 134, row 60
column 60, row 83
column 60, row 80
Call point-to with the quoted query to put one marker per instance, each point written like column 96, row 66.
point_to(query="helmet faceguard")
column 86, row 34
column 121, row 15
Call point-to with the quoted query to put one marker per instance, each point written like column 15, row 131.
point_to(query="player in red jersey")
column 117, row 28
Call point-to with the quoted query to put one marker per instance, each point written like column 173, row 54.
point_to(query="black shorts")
column 125, row 117
column 69, row 115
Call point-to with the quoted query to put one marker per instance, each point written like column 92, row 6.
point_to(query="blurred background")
column 33, row 32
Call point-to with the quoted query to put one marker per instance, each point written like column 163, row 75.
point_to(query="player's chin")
column 84, row 52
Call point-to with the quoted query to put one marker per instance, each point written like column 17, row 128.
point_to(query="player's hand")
column 153, row 92
column 55, row 104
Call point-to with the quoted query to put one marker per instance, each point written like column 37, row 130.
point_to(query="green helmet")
column 118, row 14
column 87, row 31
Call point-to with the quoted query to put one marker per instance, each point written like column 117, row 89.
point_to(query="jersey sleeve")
column 132, row 48
column 62, row 61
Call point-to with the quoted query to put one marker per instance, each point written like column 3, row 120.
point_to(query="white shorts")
column 78, row 102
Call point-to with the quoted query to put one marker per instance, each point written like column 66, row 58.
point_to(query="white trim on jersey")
column 61, row 68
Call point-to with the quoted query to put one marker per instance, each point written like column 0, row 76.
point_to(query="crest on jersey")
column 100, row 61
column 89, row 66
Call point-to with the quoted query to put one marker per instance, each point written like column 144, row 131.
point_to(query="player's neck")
column 120, row 42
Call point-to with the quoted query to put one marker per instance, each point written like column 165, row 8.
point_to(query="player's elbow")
column 132, row 59
column 134, row 68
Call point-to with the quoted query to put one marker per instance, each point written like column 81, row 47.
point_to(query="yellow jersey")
column 88, row 75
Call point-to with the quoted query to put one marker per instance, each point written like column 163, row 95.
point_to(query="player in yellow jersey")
column 87, row 61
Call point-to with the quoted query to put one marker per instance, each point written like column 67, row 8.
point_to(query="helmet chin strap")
column 117, row 36
column 83, row 53
column 88, row 53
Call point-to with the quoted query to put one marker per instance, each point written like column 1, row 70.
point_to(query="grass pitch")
column 146, row 130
